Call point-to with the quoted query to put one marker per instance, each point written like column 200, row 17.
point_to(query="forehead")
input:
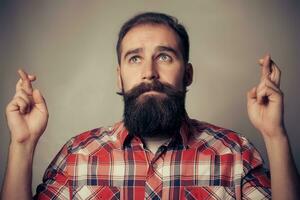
column 149, row 36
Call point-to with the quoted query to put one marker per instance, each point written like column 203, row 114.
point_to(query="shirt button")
column 154, row 165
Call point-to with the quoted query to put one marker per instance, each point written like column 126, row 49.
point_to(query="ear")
column 188, row 74
column 119, row 78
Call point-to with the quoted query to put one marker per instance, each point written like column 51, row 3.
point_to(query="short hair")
column 159, row 19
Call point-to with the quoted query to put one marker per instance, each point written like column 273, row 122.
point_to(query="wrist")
column 277, row 134
column 278, row 143
column 22, row 148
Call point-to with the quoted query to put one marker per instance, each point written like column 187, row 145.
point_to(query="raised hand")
column 26, row 113
column 265, row 101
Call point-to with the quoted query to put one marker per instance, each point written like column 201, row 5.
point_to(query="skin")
column 154, row 54
column 27, row 113
column 27, row 118
column 267, row 117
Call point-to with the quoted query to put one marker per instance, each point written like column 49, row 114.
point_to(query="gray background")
column 70, row 45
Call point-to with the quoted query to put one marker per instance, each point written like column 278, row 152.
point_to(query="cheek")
column 179, row 82
column 174, row 78
column 129, row 80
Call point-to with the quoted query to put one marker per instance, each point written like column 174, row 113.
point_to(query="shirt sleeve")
column 55, row 179
column 256, row 179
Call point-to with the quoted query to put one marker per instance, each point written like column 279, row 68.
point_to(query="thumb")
column 251, row 95
column 39, row 100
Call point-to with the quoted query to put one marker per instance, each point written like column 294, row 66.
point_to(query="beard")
column 154, row 115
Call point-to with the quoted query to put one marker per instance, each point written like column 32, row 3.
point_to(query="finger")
column 262, row 84
column 32, row 77
column 20, row 86
column 266, row 66
column 271, row 84
column 267, row 82
column 23, row 94
column 20, row 104
column 268, row 94
column 275, row 75
column 19, row 83
column 275, row 72
column 39, row 101
column 26, row 82
column 27, row 98
column 251, row 95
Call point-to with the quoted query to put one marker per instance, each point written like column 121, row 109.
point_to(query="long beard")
column 154, row 115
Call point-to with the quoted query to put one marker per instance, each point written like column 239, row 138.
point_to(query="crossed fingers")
column 24, row 91
column 24, row 82
column 270, row 70
column 269, row 86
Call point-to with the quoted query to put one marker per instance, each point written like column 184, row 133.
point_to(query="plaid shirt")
column 203, row 162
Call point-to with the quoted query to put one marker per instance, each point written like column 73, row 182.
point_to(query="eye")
column 164, row 58
column 135, row 59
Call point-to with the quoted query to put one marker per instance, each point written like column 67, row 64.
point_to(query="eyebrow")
column 133, row 51
column 168, row 49
column 159, row 48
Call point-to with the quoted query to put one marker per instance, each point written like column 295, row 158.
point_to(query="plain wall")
column 70, row 46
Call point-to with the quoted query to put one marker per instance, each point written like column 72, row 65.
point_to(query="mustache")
column 156, row 86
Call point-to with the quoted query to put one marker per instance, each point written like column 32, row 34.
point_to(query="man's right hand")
column 26, row 113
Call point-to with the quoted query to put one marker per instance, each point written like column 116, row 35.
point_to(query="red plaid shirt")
column 203, row 162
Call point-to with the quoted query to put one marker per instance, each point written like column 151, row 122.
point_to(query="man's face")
column 153, row 79
column 150, row 52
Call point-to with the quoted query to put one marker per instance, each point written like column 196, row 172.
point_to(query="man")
column 157, row 151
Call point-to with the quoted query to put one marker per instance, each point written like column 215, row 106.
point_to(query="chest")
column 138, row 174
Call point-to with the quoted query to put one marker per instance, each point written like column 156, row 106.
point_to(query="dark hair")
column 156, row 18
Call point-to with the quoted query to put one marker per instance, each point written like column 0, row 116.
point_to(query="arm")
column 265, row 110
column 284, row 176
column 27, row 118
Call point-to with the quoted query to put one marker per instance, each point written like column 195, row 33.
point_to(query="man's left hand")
column 265, row 101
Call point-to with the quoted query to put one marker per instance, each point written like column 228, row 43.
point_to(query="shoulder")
column 218, row 141
column 221, row 140
column 84, row 145
column 92, row 140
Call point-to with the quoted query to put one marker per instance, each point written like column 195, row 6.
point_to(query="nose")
column 150, row 71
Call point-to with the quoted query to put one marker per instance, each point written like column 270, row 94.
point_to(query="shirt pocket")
column 209, row 193
column 96, row 192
